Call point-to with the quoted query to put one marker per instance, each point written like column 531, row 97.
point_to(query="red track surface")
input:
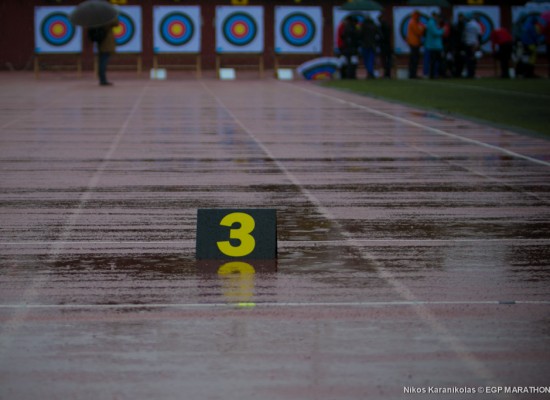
column 413, row 247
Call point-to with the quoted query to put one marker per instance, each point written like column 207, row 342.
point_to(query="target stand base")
column 179, row 62
column 260, row 65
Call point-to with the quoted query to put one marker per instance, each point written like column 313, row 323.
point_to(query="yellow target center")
column 117, row 30
column 298, row 30
column 177, row 30
column 58, row 29
column 240, row 29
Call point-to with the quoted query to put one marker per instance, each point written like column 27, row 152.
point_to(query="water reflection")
column 237, row 279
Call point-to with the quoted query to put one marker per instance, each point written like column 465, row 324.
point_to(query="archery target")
column 401, row 18
column 128, row 31
column 319, row 68
column 54, row 32
column 239, row 29
column 488, row 18
column 520, row 14
column 57, row 30
column 125, row 30
column 298, row 30
column 177, row 29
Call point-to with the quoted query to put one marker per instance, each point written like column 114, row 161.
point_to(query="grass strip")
column 516, row 104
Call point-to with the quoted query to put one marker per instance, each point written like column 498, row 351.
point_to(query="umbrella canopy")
column 362, row 5
column 93, row 13
column 440, row 3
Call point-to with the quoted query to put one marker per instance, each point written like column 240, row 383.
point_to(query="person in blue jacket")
column 434, row 44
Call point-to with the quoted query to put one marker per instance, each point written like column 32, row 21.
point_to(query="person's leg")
column 413, row 62
column 102, row 68
column 370, row 63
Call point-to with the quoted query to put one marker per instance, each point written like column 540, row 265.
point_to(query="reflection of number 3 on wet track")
column 232, row 234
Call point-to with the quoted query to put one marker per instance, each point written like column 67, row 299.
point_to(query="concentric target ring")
column 486, row 26
column 177, row 29
column 125, row 30
column 298, row 29
column 239, row 29
column 57, row 29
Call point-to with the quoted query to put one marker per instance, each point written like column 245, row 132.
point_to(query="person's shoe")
column 105, row 84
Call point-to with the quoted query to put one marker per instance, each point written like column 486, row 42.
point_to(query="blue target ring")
column 125, row 30
column 177, row 29
column 486, row 26
column 405, row 24
column 239, row 29
column 298, row 29
column 57, row 29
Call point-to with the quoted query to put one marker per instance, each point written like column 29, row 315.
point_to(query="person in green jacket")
column 434, row 43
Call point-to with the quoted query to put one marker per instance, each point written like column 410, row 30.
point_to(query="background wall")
column 17, row 27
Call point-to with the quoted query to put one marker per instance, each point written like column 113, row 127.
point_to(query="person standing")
column 384, row 43
column 458, row 50
column 434, row 44
column 349, row 44
column 472, row 40
column 369, row 33
column 415, row 31
column 106, row 47
column 502, row 45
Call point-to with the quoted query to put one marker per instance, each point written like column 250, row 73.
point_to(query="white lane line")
column 57, row 247
column 354, row 304
column 421, row 126
column 401, row 289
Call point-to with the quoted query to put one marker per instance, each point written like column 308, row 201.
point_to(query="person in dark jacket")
column 348, row 34
column 384, row 44
column 369, row 38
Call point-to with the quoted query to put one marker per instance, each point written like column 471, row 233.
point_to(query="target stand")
column 196, row 63
column 221, row 57
column 125, row 66
column 77, row 65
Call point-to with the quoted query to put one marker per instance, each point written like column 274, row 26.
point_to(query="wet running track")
column 413, row 247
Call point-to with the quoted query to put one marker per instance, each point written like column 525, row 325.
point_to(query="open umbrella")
column 440, row 3
column 362, row 5
column 93, row 13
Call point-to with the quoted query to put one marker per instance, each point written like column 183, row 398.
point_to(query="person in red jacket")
column 502, row 44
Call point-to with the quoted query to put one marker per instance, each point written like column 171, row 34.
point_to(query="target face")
column 54, row 32
column 298, row 29
column 125, row 30
column 177, row 29
column 57, row 30
column 239, row 29
column 486, row 26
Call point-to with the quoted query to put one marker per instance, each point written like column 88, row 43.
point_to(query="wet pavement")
column 413, row 247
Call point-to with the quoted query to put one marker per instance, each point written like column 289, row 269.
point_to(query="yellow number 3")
column 247, row 242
